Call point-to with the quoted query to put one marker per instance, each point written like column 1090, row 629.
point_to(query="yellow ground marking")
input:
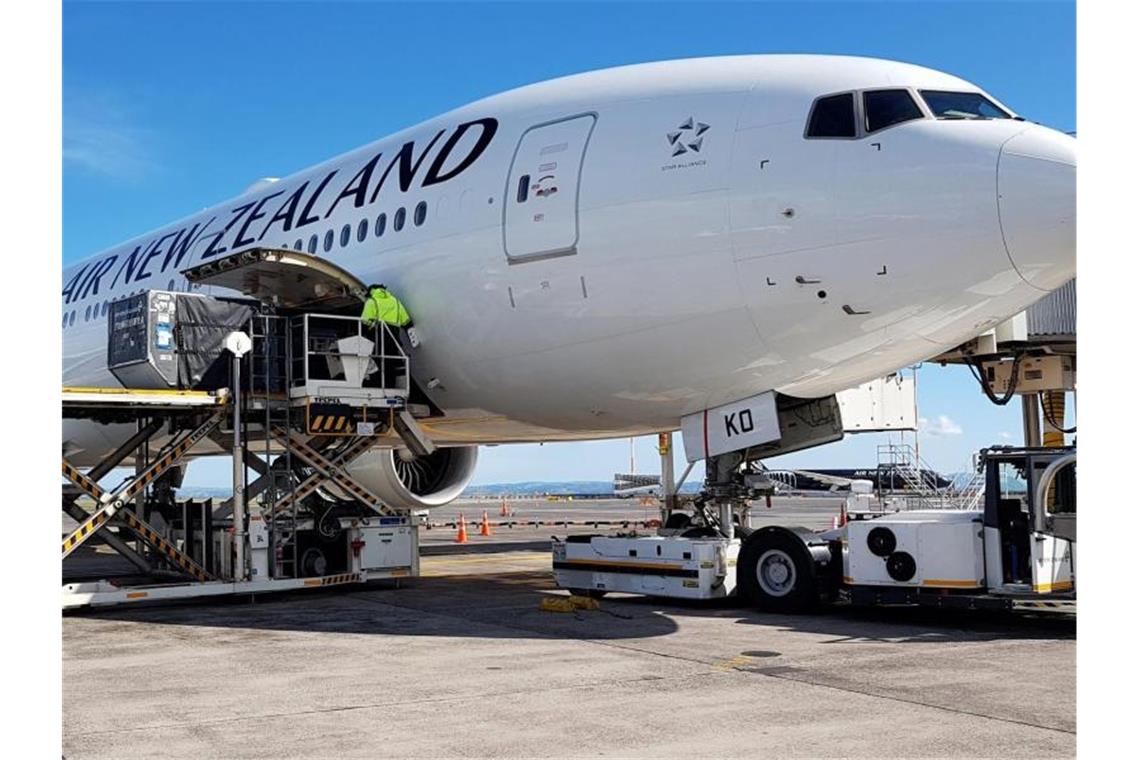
column 442, row 565
column 732, row 662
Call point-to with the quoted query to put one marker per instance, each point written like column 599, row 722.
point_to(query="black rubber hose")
column 979, row 375
column 1049, row 416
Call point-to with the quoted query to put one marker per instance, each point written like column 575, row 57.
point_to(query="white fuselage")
column 650, row 284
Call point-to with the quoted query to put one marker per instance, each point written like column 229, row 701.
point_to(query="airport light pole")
column 238, row 343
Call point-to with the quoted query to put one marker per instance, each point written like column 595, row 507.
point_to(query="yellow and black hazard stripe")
column 166, row 459
column 333, row 580
column 330, row 424
column 86, row 484
column 330, row 419
column 179, row 558
column 85, row 531
column 310, row 484
column 134, row 487
column 314, row 459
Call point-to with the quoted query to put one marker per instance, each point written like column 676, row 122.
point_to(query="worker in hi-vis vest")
column 382, row 306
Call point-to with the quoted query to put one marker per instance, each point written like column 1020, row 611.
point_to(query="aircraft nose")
column 1036, row 181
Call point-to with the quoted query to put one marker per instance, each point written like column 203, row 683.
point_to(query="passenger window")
column 398, row 219
column 170, row 285
column 381, row 223
column 328, row 241
column 65, row 320
column 362, row 230
column 345, row 235
column 313, row 244
column 885, row 108
column 298, row 244
column 833, row 116
column 421, row 213
column 105, row 308
column 71, row 319
column 87, row 315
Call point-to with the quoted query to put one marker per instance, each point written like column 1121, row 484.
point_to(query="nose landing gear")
column 778, row 569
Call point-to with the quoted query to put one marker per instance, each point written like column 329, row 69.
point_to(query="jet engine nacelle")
column 409, row 482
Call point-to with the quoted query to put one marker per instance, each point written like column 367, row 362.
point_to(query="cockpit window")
column 885, row 108
column 962, row 105
column 833, row 116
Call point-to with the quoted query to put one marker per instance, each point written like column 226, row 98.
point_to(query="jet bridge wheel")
column 776, row 572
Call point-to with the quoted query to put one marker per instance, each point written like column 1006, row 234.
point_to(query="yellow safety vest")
column 382, row 306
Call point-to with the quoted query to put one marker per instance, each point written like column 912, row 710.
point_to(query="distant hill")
column 205, row 492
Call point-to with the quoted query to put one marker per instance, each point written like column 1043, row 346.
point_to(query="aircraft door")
column 540, row 209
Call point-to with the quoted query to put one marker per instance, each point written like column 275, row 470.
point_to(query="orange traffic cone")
column 484, row 527
column 461, row 534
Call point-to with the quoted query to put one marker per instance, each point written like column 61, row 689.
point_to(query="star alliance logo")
column 689, row 136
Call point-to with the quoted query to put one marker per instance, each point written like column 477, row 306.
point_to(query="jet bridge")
column 1031, row 356
column 283, row 376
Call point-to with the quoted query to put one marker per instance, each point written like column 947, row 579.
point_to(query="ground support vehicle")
column 1017, row 550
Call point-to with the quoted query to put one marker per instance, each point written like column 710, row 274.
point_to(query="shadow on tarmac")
column 438, row 550
column 847, row 623
column 505, row 605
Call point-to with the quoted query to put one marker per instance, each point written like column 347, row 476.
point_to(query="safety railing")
column 908, row 482
column 333, row 350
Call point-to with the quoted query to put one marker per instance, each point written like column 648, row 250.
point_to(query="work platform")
column 293, row 396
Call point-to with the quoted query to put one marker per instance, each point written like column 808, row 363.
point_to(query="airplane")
column 889, row 478
column 610, row 253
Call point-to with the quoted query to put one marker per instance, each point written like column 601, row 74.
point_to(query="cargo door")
column 540, row 210
column 282, row 277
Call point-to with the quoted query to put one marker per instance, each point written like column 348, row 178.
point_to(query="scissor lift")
column 310, row 393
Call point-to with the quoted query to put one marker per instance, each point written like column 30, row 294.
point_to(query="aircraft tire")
column 775, row 573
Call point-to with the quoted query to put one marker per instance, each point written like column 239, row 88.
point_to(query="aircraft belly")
column 646, row 378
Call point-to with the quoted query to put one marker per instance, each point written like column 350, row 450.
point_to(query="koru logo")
column 689, row 136
column 736, row 423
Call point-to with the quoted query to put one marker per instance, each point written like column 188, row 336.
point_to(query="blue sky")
column 170, row 107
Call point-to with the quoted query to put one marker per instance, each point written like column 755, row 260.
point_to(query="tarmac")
column 462, row 663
